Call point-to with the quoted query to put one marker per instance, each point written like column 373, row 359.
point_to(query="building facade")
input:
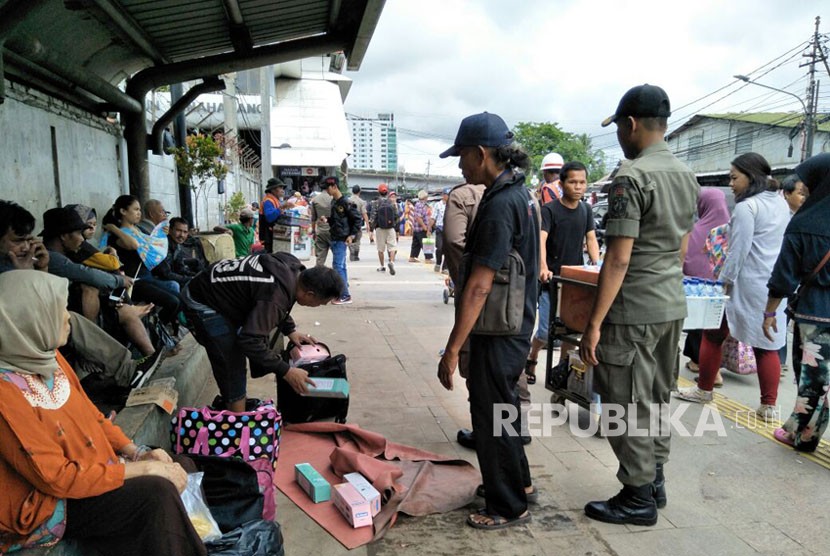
column 709, row 142
column 375, row 143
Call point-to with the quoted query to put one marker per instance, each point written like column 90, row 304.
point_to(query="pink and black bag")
column 252, row 436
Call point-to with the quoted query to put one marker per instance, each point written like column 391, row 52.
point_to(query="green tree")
column 539, row 139
column 198, row 163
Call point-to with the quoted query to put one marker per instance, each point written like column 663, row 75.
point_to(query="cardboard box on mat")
column 366, row 490
column 352, row 504
column 317, row 488
column 577, row 300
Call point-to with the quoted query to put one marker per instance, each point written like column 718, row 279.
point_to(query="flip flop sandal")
column 531, row 377
column 496, row 521
column 532, row 496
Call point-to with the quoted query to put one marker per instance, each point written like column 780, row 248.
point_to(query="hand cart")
column 565, row 381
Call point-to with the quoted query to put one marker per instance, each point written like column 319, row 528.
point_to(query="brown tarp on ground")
column 412, row 481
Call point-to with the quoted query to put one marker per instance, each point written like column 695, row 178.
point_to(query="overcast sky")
column 433, row 62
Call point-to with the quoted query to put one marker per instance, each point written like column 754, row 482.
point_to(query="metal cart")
column 566, row 385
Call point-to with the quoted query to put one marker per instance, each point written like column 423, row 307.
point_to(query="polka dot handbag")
column 248, row 435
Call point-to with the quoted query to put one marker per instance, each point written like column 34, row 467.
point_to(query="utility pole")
column 812, row 90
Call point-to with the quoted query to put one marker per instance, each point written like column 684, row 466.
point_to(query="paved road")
column 735, row 495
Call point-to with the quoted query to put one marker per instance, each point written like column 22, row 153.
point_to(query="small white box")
column 366, row 490
column 704, row 313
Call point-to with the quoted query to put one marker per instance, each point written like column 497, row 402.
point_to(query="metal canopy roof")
column 74, row 49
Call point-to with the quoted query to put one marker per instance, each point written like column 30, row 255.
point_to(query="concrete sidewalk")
column 733, row 495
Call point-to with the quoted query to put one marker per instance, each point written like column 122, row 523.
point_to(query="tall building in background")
column 375, row 143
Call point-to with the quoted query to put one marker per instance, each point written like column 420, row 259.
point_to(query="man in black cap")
column 634, row 328
column 507, row 222
column 269, row 211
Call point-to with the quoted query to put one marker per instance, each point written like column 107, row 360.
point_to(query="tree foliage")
column 200, row 161
column 539, row 139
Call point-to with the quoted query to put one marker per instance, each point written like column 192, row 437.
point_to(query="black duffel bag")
column 231, row 490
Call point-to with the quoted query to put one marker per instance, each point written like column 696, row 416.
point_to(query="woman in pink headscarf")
column 712, row 212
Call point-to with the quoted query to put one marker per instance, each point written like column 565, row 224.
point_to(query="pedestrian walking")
column 344, row 223
column 802, row 267
column 755, row 234
column 634, row 328
column 385, row 219
column 551, row 187
column 420, row 227
column 506, row 226
column 320, row 212
column 437, row 225
column 354, row 246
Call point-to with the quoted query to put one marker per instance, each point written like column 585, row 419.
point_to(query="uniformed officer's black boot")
column 658, row 487
column 634, row 505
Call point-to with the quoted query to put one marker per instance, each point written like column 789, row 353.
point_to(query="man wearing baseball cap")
column 384, row 223
column 633, row 332
column 507, row 222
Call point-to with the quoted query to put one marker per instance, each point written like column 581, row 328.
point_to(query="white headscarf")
column 32, row 305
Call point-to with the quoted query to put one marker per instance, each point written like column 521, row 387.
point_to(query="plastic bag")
column 255, row 538
column 197, row 509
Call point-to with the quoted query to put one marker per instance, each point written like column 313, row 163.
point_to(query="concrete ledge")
column 148, row 424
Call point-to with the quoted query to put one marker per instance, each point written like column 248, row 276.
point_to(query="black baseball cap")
column 485, row 129
column 642, row 101
column 57, row 221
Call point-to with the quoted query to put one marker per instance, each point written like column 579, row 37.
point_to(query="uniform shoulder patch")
column 618, row 198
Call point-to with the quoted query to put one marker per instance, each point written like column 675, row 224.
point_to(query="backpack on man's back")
column 385, row 215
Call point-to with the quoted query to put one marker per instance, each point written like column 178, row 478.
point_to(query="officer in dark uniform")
column 507, row 219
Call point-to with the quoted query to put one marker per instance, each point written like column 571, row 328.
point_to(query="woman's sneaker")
column 767, row 412
column 694, row 394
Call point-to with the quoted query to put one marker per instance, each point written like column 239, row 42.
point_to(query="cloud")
column 433, row 62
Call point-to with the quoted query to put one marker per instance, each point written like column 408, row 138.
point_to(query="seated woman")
column 121, row 223
column 60, row 468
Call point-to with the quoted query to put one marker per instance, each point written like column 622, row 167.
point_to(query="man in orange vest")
column 269, row 211
column 551, row 188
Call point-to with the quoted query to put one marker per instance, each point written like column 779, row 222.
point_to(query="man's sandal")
column 531, row 376
column 532, row 496
column 483, row 520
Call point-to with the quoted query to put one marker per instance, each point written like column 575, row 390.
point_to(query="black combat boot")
column 634, row 505
column 658, row 488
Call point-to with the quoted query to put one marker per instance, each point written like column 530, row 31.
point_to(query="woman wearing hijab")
column 712, row 212
column 65, row 470
column 755, row 233
column 806, row 246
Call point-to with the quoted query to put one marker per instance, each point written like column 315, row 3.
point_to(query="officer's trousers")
column 636, row 374
column 495, row 365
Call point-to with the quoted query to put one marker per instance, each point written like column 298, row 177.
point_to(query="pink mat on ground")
column 412, row 481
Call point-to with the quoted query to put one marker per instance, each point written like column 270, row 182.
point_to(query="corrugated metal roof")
column 114, row 39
